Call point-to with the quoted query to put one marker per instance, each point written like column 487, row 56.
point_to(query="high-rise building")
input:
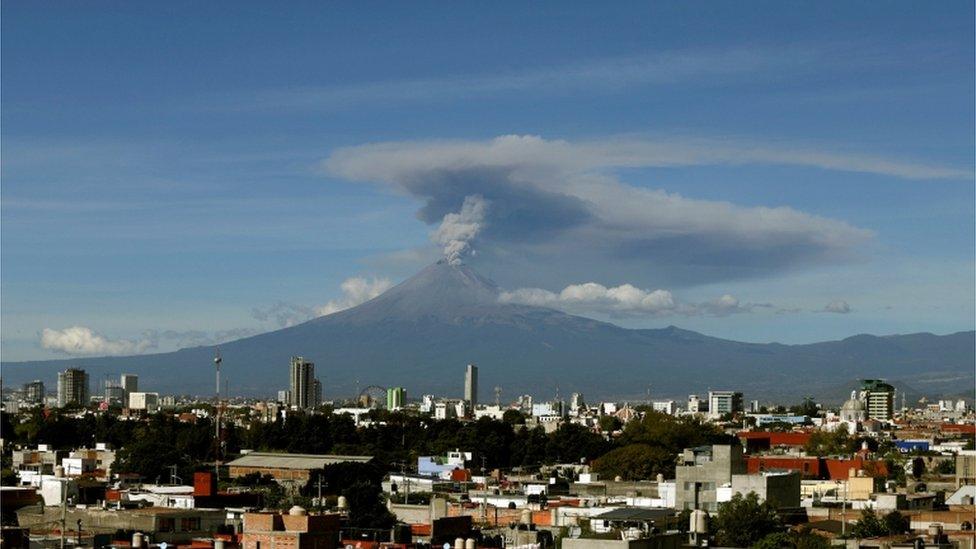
column 284, row 396
column 130, row 384
column 302, row 375
column 72, row 387
column 34, row 392
column 144, row 401
column 115, row 394
column 879, row 399
column 664, row 407
column 724, row 402
column 576, row 402
column 395, row 397
column 696, row 405
column 471, row 385
column 316, row 393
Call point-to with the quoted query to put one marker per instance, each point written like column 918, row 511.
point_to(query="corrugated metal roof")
column 293, row 461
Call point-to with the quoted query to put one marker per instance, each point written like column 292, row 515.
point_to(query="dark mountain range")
column 421, row 333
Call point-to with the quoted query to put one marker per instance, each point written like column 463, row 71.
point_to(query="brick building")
column 294, row 530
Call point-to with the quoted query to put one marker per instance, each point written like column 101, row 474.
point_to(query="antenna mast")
column 217, row 360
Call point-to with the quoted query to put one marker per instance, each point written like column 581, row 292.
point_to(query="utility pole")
column 843, row 510
column 406, row 483
column 64, row 507
column 217, row 360
column 320, row 491
column 484, row 497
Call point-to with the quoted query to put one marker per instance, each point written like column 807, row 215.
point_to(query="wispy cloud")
column 355, row 290
column 597, row 74
column 707, row 67
column 838, row 306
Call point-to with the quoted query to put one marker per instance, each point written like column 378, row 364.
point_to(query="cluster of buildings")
column 74, row 389
column 440, row 499
column 449, row 499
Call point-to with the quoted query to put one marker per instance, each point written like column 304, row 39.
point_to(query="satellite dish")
column 447, row 545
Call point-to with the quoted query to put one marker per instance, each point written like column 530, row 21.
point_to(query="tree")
column 8, row 478
column 366, row 509
column 825, row 443
column 918, row 468
column 869, row 526
column 743, row 521
column 634, row 462
column 671, row 435
column 806, row 408
column 896, row 523
column 610, row 424
column 513, row 417
column 802, row 539
column 571, row 442
column 946, row 467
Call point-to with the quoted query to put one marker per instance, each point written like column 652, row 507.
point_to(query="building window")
column 190, row 524
column 167, row 524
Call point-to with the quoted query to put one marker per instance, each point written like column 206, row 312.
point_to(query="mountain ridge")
column 420, row 334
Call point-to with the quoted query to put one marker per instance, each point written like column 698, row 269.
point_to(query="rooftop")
column 293, row 461
column 635, row 514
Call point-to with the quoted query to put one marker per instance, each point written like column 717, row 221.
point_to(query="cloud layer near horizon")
column 83, row 341
column 555, row 206
column 625, row 300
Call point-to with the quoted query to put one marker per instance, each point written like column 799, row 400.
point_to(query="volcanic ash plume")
column 457, row 230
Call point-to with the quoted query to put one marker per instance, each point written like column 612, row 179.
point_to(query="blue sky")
column 183, row 172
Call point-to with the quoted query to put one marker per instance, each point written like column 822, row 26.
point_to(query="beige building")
column 965, row 468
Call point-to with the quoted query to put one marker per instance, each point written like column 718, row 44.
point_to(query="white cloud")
column 82, row 341
column 838, row 306
column 625, row 300
column 355, row 290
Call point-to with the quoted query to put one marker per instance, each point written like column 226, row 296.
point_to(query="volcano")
column 421, row 333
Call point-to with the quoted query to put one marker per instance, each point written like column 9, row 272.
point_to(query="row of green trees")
column 150, row 448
